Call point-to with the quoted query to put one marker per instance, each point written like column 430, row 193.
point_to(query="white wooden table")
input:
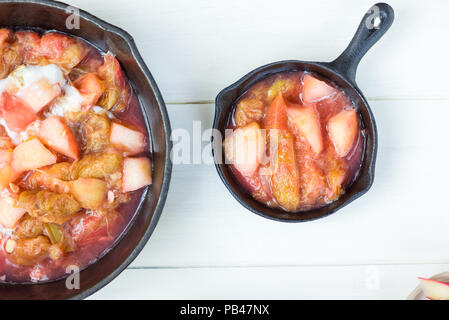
column 206, row 245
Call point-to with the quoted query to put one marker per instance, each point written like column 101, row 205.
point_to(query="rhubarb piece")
column 28, row 227
column 315, row 90
column 31, row 155
column 49, row 206
column 284, row 181
column 5, row 35
column 435, row 290
column 136, row 174
column 288, row 85
column 335, row 178
column 313, row 183
column 96, row 131
column 29, row 42
column 126, row 139
column 52, row 178
column 276, row 114
column 248, row 110
column 261, row 187
column 244, row 148
column 96, row 166
column 30, row 251
column 306, row 122
column 343, row 129
column 57, row 135
column 117, row 90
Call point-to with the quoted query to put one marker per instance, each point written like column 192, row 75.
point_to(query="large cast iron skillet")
column 342, row 72
column 52, row 16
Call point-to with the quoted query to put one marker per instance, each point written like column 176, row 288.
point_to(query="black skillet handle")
column 374, row 24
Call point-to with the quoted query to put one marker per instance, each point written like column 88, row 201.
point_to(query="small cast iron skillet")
column 50, row 15
column 341, row 71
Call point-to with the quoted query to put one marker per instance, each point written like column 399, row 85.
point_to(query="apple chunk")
column 136, row 173
column 245, row 147
column 305, row 120
column 7, row 175
column 435, row 290
column 126, row 139
column 39, row 94
column 343, row 128
column 9, row 213
column 90, row 193
column 16, row 114
column 58, row 136
column 314, row 90
column 5, row 156
column 31, row 155
column 91, row 88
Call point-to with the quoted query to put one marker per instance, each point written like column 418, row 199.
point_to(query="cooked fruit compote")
column 74, row 156
column 294, row 141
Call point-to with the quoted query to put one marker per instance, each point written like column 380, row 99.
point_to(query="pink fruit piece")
column 5, row 156
column 91, row 88
column 57, row 135
column 276, row 114
column 126, row 139
column 244, row 148
column 39, row 94
column 16, row 114
column 5, row 34
column 6, row 143
column 9, row 213
column 315, row 90
column 7, row 175
column 90, row 193
column 31, row 155
column 312, row 182
column 435, row 290
column 343, row 128
column 136, row 173
column 306, row 122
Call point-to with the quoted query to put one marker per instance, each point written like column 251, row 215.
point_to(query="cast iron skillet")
column 52, row 15
column 340, row 71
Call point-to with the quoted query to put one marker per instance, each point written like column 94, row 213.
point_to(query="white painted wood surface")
column 206, row 245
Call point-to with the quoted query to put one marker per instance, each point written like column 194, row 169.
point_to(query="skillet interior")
column 224, row 104
column 51, row 15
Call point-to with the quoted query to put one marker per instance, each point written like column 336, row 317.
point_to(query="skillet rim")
column 167, row 171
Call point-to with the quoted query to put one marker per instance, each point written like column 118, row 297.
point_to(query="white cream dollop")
column 25, row 76
column 70, row 101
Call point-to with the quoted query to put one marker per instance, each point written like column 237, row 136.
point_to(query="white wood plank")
column 196, row 48
column 401, row 219
column 208, row 246
column 331, row 282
